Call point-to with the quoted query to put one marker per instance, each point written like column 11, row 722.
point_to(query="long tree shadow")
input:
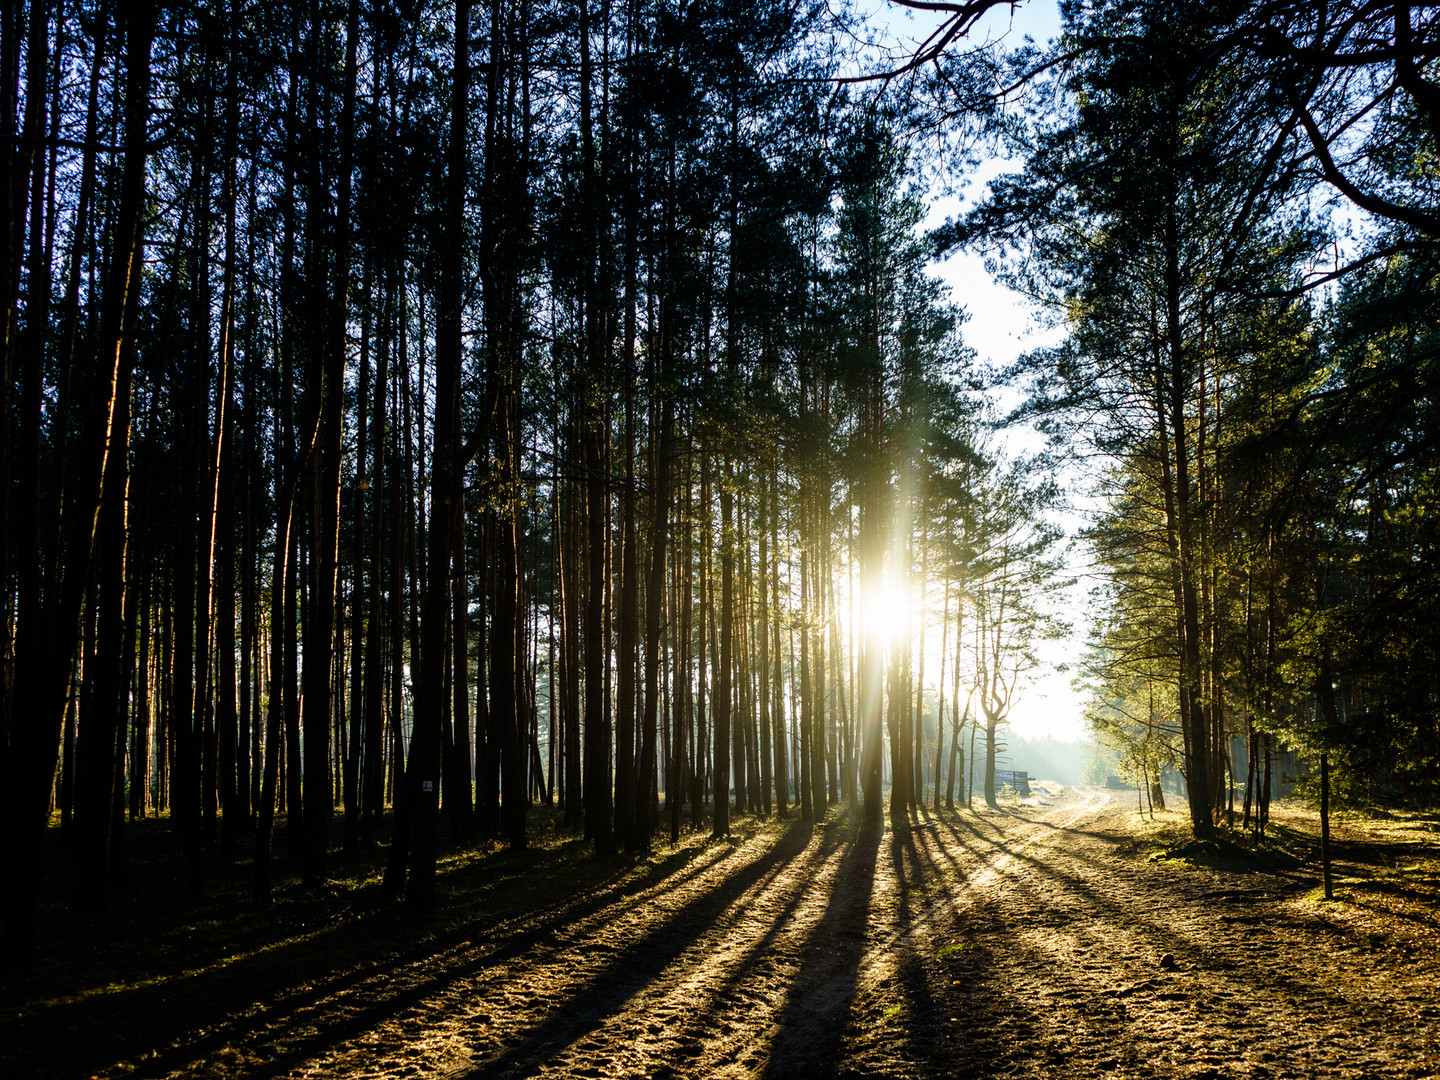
column 964, row 1022
column 983, row 1025
column 187, row 1019
column 1164, row 936
column 1164, row 925
column 635, row 966
column 809, row 1033
column 923, row 1032
column 798, row 882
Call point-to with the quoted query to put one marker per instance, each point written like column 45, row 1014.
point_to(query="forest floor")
column 1064, row 936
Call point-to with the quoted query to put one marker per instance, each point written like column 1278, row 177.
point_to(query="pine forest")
column 513, row 560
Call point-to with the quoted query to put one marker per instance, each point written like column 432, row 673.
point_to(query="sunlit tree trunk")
column 654, row 595
column 763, row 641
column 816, row 619
column 598, row 789
column 704, row 621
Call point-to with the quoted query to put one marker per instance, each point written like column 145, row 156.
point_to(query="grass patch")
column 1385, row 867
column 1232, row 853
column 1168, row 840
column 1420, row 871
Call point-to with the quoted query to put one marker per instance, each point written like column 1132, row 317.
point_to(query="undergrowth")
column 1383, row 867
column 1169, row 839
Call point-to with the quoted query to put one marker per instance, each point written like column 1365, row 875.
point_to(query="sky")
column 1000, row 327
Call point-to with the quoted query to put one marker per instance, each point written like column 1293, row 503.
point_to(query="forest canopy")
column 415, row 413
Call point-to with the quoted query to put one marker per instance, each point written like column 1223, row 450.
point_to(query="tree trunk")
column 654, row 595
column 373, row 786
column 422, row 772
column 598, row 790
column 45, row 628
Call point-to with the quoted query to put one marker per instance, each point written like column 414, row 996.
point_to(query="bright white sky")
column 1002, row 326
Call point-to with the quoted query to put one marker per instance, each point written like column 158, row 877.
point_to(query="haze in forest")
column 1001, row 324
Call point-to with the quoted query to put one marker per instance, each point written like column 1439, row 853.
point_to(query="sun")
column 885, row 614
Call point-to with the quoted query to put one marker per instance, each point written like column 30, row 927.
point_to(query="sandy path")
column 1068, row 957
column 1021, row 943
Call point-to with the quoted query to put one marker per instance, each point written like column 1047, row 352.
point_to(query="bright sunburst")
column 886, row 614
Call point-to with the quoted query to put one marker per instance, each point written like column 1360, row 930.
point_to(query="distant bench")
column 1018, row 782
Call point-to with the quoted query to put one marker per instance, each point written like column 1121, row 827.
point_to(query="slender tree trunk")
column 821, row 709
column 763, row 636
column 782, row 780
column 702, row 625
column 459, row 804
column 681, row 737
column 105, row 673
column 806, row 760
column 373, row 785
column 45, row 628
column 654, row 594
column 281, row 641
column 1182, row 525
column 571, row 577
column 26, row 180
column 628, row 628
column 598, row 790
column 354, row 751
column 422, row 772
column 872, row 690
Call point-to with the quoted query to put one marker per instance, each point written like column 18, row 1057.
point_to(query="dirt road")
column 1027, row 942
